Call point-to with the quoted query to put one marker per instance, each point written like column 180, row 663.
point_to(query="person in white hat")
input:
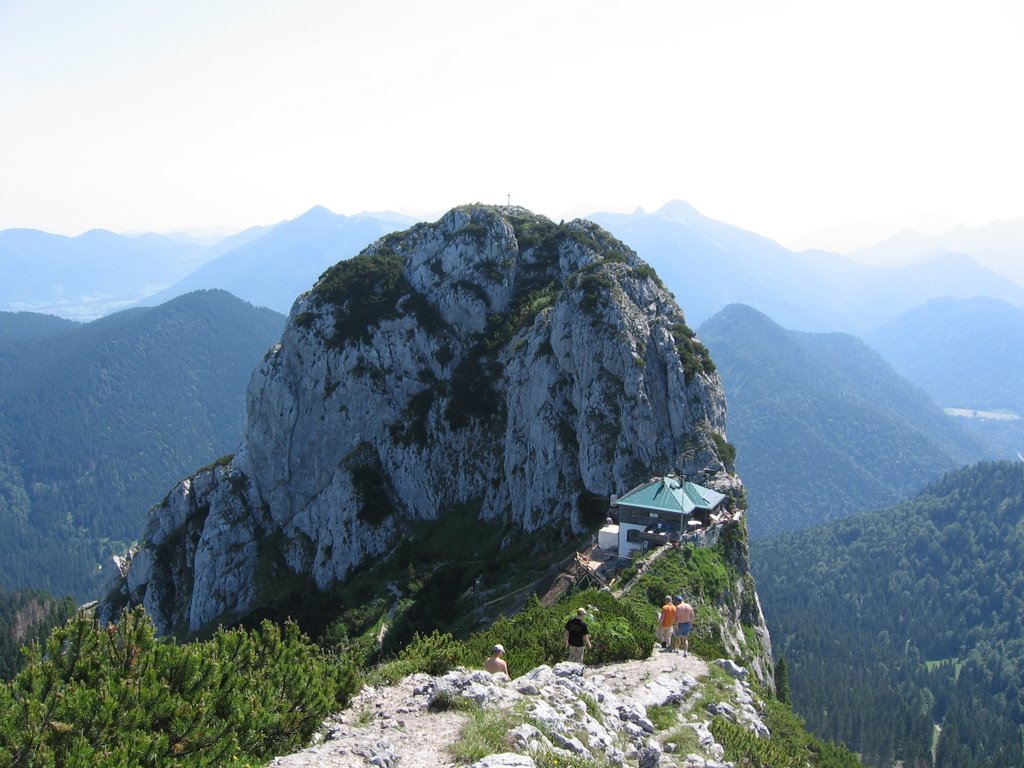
column 495, row 662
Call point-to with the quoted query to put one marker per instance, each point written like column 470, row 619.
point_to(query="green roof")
column 667, row 494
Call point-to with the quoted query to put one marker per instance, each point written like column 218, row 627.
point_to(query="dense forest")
column 27, row 616
column 98, row 421
column 823, row 426
column 896, row 621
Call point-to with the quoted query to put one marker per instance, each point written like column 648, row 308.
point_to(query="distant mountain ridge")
column 98, row 420
column 997, row 246
column 88, row 276
column 285, row 260
column 822, row 425
column 99, row 272
column 709, row 264
column 966, row 353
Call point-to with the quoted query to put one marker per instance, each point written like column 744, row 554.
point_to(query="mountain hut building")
column 662, row 510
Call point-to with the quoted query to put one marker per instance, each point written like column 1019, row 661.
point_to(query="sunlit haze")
column 828, row 125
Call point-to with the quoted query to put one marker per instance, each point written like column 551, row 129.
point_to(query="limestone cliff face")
column 491, row 358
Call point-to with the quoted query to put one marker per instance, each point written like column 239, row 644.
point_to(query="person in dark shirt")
column 577, row 636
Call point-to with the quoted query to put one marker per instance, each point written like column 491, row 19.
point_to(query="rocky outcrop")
column 598, row 716
column 492, row 358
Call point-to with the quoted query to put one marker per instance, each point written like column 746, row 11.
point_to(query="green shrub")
column 435, row 653
column 744, row 747
column 120, row 696
column 364, row 289
column 646, row 271
column 596, row 288
column 726, row 450
column 369, row 288
column 552, row 759
column 534, row 636
column 692, row 354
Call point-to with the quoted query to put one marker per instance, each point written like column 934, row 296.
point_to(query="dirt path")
column 631, row 677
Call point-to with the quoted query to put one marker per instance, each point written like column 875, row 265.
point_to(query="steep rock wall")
column 491, row 358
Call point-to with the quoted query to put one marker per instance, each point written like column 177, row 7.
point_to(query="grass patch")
column 686, row 740
column 593, row 708
column 485, row 733
column 717, row 688
column 664, row 716
column 364, row 716
column 957, row 663
column 558, row 760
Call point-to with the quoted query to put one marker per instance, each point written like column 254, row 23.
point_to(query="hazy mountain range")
column 271, row 270
column 997, row 246
column 708, row 264
column 99, row 272
column 965, row 353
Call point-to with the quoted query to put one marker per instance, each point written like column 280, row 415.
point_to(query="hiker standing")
column 577, row 636
column 666, row 622
column 684, row 625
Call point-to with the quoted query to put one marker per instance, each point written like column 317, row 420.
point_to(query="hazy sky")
column 819, row 123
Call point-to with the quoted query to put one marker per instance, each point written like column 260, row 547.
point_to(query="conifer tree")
column 782, row 681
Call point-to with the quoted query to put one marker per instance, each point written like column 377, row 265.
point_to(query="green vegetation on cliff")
column 118, row 695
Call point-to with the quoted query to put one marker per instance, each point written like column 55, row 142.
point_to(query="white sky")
column 813, row 122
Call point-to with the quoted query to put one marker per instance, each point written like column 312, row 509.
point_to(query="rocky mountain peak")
column 492, row 358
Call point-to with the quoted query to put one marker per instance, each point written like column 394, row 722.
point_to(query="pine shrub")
column 119, row 696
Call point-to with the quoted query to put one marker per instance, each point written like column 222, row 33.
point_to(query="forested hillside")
column 822, row 425
column 99, row 421
column 891, row 621
column 27, row 326
column 985, row 338
column 26, row 616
